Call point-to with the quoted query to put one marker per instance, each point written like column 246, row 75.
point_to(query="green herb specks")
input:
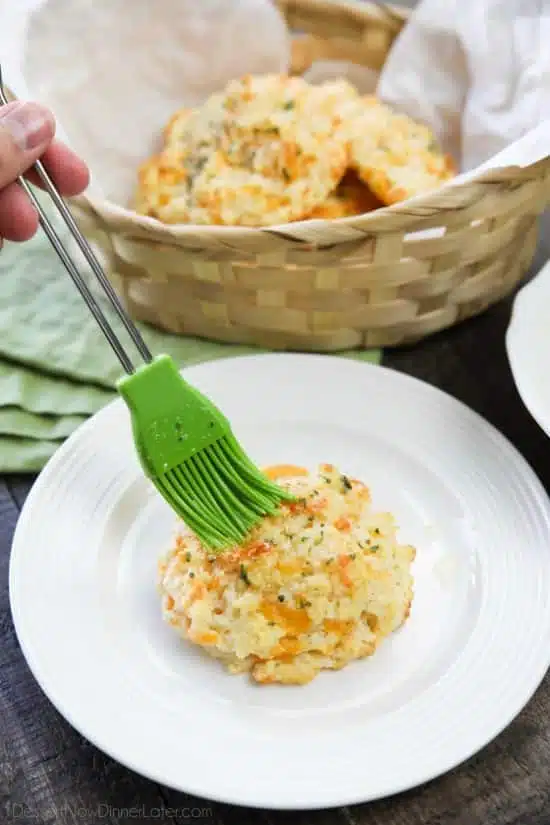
column 346, row 484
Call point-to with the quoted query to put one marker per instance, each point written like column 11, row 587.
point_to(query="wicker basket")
column 323, row 286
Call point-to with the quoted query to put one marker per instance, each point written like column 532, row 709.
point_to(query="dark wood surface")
column 49, row 775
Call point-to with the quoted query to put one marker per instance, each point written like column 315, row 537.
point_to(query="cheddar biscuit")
column 395, row 156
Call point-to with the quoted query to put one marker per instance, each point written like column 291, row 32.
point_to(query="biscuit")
column 395, row 156
column 274, row 149
column 351, row 197
column 317, row 585
column 162, row 187
column 278, row 155
column 233, row 195
column 339, row 98
column 197, row 130
column 175, row 130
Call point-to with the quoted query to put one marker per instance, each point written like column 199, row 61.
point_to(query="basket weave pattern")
column 324, row 286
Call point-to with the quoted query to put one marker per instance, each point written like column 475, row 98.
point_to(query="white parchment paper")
column 478, row 72
column 114, row 71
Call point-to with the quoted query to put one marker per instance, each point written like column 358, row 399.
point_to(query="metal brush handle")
column 73, row 270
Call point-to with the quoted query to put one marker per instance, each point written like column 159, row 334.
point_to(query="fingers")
column 18, row 217
column 70, row 174
column 26, row 130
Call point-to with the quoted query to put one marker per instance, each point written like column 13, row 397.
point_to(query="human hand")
column 26, row 135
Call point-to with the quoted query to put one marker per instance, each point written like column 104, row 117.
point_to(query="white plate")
column 528, row 346
column 82, row 586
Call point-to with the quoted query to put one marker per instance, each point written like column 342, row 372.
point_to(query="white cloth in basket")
column 478, row 71
column 114, row 71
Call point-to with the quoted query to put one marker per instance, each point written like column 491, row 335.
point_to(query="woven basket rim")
column 403, row 217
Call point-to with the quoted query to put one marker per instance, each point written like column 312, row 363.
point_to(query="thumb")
column 26, row 130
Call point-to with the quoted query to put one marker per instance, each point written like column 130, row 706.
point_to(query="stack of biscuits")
column 274, row 149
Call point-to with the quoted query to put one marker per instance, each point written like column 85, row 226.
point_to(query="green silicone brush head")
column 187, row 449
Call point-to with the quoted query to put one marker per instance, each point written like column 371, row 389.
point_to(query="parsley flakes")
column 346, row 484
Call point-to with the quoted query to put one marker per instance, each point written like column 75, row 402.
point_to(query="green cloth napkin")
column 56, row 369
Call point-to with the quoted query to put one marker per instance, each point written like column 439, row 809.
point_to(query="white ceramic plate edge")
column 527, row 328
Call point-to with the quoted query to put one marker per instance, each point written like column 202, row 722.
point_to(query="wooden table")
column 49, row 775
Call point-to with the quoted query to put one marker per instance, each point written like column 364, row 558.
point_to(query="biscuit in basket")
column 279, row 155
column 338, row 98
column 350, row 198
column 273, row 149
column 198, row 129
column 231, row 195
column 267, row 150
column 162, row 187
column 175, row 130
column 395, row 156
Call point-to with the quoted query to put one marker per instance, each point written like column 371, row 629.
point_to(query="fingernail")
column 29, row 125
